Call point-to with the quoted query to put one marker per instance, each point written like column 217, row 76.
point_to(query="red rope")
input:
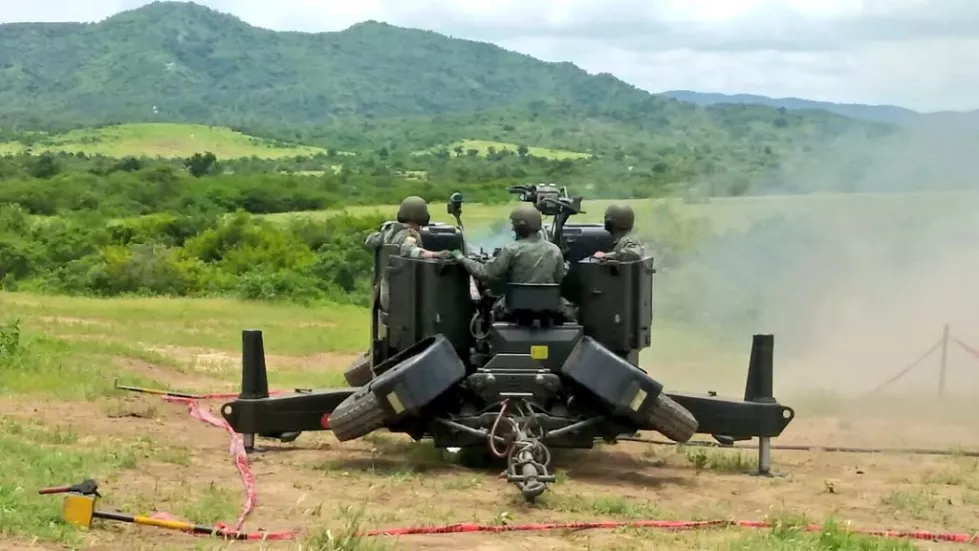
column 660, row 524
column 966, row 347
column 237, row 450
column 491, row 438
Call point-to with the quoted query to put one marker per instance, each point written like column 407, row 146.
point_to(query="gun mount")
column 551, row 201
column 510, row 385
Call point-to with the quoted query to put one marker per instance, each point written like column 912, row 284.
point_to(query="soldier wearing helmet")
column 619, row 219
column 412, row 215
column 404, row 233
column 529, row 259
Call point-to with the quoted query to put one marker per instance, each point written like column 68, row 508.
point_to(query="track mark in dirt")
column 315, row 362
column 208, row 360
column 321, row 324
column 173, row 378
column 61, row 320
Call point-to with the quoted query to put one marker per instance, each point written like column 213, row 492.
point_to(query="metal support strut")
column 254, row 377
column 526, row 454
column 760, row 388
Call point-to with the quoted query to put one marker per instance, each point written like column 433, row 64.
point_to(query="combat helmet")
column 414, row 209
column 619, row 217
column 526, row 220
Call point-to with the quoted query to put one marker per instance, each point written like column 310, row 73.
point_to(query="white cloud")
column 922, row 54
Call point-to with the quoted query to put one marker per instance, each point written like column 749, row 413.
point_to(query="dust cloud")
column 489, row 239
column 854, row 256
column 854, row 285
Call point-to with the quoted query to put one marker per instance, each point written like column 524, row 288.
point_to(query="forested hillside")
column 192, row 63
column 388, row 93
column 180, row 62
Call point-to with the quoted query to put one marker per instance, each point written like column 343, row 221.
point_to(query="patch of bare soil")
column 209, row 360
column 175, row 379
column 12, row 545
column 87, row 322
column 317, row 482
column 321, row 324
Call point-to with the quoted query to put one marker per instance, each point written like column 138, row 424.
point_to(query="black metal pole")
column 254, row 375
column 760, row 385
column 254, row 379
column 760, row 388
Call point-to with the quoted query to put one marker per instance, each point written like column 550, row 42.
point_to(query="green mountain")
column 181, row 61
column 177, row 61
column 387, row 92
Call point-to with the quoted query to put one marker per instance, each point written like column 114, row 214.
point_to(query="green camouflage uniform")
column 627, row 248
column 532, row 259
column 394, row 233
column 529, row 260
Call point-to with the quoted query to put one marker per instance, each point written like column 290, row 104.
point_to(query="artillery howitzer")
column 444, row 366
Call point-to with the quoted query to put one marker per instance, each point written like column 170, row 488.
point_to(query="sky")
column 920, row 54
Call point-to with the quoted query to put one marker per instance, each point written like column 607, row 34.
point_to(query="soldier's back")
column 397, row 234
column 535, row 260
column 387, row 234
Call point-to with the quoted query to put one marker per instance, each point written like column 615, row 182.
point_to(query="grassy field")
column 163, row 140
column 183, row 140
column 721, row 213
column 483, row 146
column 62, row 421
column 474, row 215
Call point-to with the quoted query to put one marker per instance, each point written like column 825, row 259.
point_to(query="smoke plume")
column 854, row 257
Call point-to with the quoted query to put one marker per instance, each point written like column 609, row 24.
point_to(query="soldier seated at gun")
column 619, row 220
column 405, row 235
column 412, row 215
column 529, row 259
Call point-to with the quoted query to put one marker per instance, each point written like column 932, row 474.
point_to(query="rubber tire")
column 359, row 373
column 672, row 420
column 357, row 416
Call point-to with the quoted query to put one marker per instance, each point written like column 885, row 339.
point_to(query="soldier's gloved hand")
column 457, row 254
column 443, row 255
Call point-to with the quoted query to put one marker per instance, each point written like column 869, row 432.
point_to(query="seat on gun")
column 528, row 304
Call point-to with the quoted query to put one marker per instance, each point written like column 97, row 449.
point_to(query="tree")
column 201, row 165
column 45, row 167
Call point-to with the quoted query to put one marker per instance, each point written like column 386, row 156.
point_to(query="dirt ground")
column 317, row 482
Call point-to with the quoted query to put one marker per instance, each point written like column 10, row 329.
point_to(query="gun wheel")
column 359, row 373
column 673, row 420
column 359, row 415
